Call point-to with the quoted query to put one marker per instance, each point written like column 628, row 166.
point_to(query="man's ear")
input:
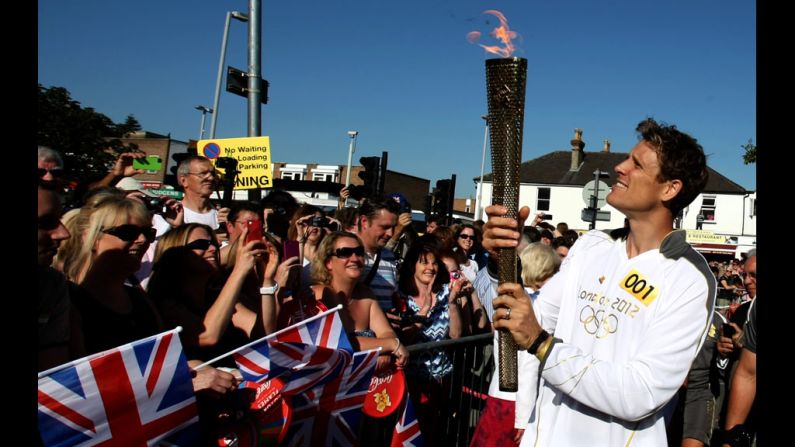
column 183, row 181
column 672, row 188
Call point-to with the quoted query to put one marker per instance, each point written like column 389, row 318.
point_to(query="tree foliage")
column 750, row 152
column 87, row 140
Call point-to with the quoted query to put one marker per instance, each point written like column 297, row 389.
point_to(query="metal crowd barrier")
column 466, row 396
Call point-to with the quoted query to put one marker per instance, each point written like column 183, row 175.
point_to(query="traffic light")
column 369, row 176
column 441, row 194
column 171, row 179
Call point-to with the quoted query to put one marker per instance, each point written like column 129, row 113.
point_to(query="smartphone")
column 290, row 249
column 728, row 330
column 150, row 163
column 547, row 217
column 254, row 230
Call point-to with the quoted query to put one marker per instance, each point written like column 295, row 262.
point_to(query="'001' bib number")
column 636, row 285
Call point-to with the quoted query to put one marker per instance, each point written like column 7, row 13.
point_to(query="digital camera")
column 154, row 204
column 226, row 163
column 319, row 222
column 407, row 319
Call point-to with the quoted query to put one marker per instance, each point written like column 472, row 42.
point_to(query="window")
column 708, row 208
column 322, row 177
column 292, row 175
column 543, row 199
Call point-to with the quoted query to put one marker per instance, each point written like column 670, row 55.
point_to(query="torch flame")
column 502, row 32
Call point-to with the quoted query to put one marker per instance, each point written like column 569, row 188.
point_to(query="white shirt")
column 209, row 218
column 629, row 330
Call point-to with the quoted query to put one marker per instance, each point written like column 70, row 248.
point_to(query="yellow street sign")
column 253, row 155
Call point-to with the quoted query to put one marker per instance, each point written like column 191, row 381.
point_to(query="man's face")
column 750, row 276
column 235, row 228
column 431, row 227
column 376, row 233
column 50, row 167
column 637, row 188
column 200, row 179
column 50, row 229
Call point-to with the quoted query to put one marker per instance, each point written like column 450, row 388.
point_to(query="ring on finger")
column 508, row 314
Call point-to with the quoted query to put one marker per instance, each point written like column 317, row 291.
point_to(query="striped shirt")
column 384, row 283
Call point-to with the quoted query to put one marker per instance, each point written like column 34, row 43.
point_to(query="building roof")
column 553, row 169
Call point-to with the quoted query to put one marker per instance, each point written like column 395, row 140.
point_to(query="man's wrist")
column 541, row 338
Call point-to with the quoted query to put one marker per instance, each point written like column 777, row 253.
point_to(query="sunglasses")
column 130, row 232
column 466, row 236
column 55, row 172
column 347, row 252
column 201, row 244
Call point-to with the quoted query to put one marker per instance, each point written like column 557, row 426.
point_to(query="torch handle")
column 505, row 82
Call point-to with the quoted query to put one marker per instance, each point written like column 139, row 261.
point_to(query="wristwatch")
column 269, row 290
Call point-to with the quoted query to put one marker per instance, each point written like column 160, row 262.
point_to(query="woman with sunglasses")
column 111, row 309
column 336, row 271
column 191, row 290
column 467, row 244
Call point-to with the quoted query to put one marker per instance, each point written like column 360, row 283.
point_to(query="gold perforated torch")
column 505, row 84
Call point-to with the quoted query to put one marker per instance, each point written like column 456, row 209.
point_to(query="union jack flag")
column 133, row 395
column 330, row 416
column 308, row 351
column 407, row 430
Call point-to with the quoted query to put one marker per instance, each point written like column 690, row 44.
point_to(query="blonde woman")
column 110, row 309
column 336, row 271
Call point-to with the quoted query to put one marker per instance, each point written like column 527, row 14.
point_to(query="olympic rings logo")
column 598, row 322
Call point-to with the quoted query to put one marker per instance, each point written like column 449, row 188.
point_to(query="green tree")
column 87, row 140
column 750, row 152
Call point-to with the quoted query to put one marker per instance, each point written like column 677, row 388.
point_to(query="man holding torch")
column 613, row 334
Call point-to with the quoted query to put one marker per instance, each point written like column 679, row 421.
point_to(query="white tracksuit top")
column 628, row 329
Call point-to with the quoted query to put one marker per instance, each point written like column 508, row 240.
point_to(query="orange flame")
column 502, row 32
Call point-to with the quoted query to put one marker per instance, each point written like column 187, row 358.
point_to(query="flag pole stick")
column 90, row 357
column 267, row 337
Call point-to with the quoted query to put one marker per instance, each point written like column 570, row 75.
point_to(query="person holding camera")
column 404, row 233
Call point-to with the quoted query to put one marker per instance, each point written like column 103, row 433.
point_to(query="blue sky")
column 403, row 74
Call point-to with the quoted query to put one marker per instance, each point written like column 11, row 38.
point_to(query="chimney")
column 606, row 149
column 577, row 153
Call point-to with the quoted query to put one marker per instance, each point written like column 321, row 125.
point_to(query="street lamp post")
column 479, row 205
column 229, row 15
column 351, row 149
column 204, row 111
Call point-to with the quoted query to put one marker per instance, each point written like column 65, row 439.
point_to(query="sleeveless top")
column 104, row 328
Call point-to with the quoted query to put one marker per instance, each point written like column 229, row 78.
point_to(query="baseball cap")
column 131, row 184
column 402, row 201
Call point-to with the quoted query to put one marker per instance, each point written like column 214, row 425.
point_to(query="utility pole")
column 254, row 79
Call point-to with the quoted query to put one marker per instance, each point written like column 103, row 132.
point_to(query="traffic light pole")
column 450, row 199
column 381, row 175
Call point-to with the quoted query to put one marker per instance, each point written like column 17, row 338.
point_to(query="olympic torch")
column 506, row 78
